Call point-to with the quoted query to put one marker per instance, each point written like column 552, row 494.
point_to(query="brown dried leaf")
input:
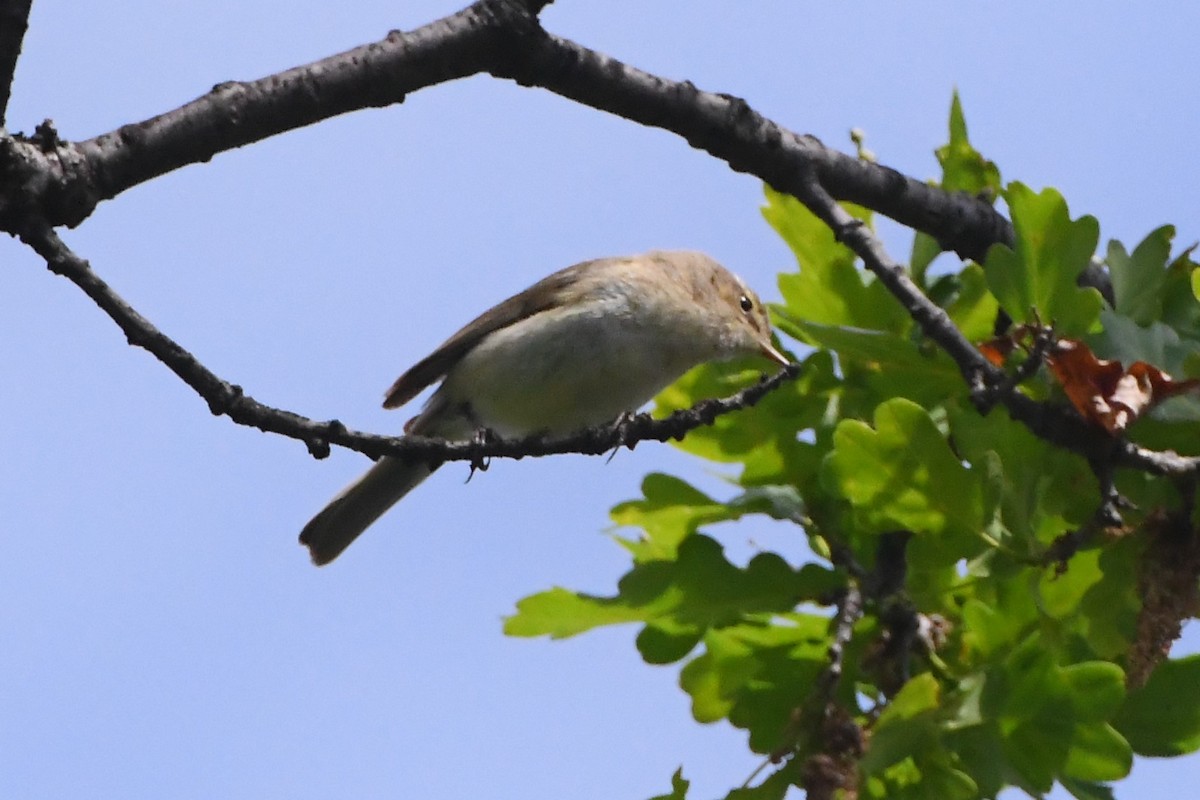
column 998, row 350
column 1104, row 392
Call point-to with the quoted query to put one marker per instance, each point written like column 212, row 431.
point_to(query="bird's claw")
column 622, row 426
column 481, row 463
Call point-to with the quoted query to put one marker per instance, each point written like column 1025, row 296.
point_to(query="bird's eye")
column 746, row 303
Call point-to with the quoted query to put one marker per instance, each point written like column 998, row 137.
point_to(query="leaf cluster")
column 963, row 623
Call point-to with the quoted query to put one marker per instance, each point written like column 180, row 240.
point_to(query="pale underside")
column 593, row 362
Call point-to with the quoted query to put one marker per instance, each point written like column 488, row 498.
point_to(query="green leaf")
column 974, row 307
column 907, row 726
column 965, row 706
column 1035, row 684
column 783, row 503
column 1050, row 251
column 1124, row 340
column 679, row 788
column 946, row 783
column 755, row 675
column 902, row 475
column 979, row 752
column 670, row 511
column 932, row 774
column 667, row 641
column 1138, row 278
column 1163, row 717
column 1060, row 594
column 715, row 678
column 1180, row 307
column 889, row 364
column 925, row 249
column 560, row 613
column 673, row 509
column 963, row 168
column 920, row 695
column 1037, row 749
column 986, row 631
column 810, row 240
column 763, row 437
column 773, row 788
column 680, row 597
column 1110, row 608
column 1097, row 690
column 1053, row 717
column 1098, row 753
column 1086, row 790
column 828, row 287
column 1043, row 492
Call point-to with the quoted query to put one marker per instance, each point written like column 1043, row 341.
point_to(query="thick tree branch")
column 235, row 114
column 729, row 129
column 14, row 20
column 504, row 38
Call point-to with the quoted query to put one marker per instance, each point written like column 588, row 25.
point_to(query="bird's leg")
column 623, row 424
column 481, row 463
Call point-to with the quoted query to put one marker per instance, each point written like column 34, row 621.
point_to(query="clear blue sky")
column 164, row 635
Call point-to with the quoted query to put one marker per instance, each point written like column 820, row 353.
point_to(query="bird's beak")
column 770, row 352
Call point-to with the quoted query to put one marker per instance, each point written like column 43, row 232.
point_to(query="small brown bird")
column 578, row 348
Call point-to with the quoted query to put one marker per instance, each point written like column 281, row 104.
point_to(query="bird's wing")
column 547, row 293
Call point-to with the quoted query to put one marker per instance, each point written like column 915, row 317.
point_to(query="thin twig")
column 932, row 318
column 1044, row 343
column 849, row 612
column 228, row 399
column 986, row 382
column 819, row 711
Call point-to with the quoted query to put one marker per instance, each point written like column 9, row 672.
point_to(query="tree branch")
column 987, row 383
column 977, row 371
column 503, row 38
column 849, row 612
column 727, row 128
column 45, row 182
column 235, row 114
column 14, row 20
column 228, row 399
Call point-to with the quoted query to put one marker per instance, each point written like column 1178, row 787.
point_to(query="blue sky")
column 165, row 636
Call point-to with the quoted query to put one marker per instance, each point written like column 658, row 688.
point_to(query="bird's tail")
column 358, row 505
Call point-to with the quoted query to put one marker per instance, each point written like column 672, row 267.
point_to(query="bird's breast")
column 568, row 368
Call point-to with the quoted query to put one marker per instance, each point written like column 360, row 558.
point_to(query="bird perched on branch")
column 578, row 348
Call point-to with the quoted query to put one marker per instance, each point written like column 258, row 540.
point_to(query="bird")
column 578, row 348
